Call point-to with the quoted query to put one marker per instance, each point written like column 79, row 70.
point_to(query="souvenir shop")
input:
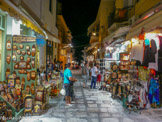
column 136, row 76
column 20, row 92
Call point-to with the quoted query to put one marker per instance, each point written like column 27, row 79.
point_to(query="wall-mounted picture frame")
column 21, row 46
column 8, row 45
column 33, row 50
column 27, row 48
column 33, row 75
column 28, row 53
column 18, row 52
column 8, row 59
column 21, row 58
column 23, row 52
column 14, row 58
column 14, row 47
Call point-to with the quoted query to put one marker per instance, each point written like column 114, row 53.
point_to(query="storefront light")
column 109, row 48
column 94, row 33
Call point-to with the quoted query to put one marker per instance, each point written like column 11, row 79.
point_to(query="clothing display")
column 136, row 51
column 154, row 92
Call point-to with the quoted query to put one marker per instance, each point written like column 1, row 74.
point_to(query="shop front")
column 19, row 89
column 136, row 78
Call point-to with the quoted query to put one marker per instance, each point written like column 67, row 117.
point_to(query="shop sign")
column 41, row 42
column 20, row 39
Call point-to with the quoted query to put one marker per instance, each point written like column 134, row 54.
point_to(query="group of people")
column 95, row 74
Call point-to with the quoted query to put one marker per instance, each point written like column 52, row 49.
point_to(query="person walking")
column 86, row 75
column 94, row 72
column 67, row 83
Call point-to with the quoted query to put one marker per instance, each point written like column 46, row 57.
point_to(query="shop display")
column 33, row 62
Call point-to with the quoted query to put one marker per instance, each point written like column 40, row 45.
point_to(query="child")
column 99, row 79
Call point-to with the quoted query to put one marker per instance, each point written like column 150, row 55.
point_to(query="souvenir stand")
column 20, row 75
column 56, row 83
column 137, row 80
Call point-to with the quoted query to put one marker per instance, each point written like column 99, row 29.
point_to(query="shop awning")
column 117, row 34
column 152, row 22
column 13, row 11
column 92, row 46
column 52, row 38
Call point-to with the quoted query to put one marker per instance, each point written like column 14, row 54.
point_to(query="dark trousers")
column 93, row 82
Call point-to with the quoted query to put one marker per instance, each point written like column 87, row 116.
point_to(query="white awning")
column 92, row 46
column 52, row 38
column 118, row 33
column 150, row 23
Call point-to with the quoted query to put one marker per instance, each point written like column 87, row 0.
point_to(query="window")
column 55, row 45
column 50, row 5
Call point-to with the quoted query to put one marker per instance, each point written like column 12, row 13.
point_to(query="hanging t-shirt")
column 137, row 51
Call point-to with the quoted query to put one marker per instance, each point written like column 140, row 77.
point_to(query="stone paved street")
column 90, row 106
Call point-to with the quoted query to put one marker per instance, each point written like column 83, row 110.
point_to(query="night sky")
column 79, row 15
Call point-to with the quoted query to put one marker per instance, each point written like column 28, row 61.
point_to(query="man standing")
column 86, row 70
column 67, row 83
column 94, row 72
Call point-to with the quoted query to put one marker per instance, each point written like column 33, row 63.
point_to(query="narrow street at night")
column 92, row 105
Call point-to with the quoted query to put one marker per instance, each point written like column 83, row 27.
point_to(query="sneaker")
column 69, row 105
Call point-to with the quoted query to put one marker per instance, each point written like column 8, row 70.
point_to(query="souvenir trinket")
column 14, row 47
column 8, row 59
column 18, row 89
column 33, row 62
column 23, row 83
column 8, row 45
column 21, row 46
column 27, row 48
column 33, row 75
column 14, row 74
column 14, row 58
column 28, row 75
column 23, row 52
column 21, row 58
column 18, row 52
column 32, row 88
column 11, row 81
column 27, row 89
column 28, row 59
column 33, row 50
column 28, row 53
column 7, row 73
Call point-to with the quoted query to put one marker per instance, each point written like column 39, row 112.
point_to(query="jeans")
column 93, row 82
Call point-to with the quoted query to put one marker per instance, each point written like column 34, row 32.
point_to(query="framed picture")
column 18, row 52
column 1, row 86
column 11, row 81
column 39, row 96
column 14, row 58
column 27, row 48
column 8, row 45
column 28, row 59
column 33, row 50
column 23, row 52
column 22, row 64
column 28, row 53
column 21, row 46
column 33, row 75
column 21, row 58
column 8, row 59
column 14, row 47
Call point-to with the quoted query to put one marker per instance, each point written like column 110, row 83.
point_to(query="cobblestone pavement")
column 90, row 106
